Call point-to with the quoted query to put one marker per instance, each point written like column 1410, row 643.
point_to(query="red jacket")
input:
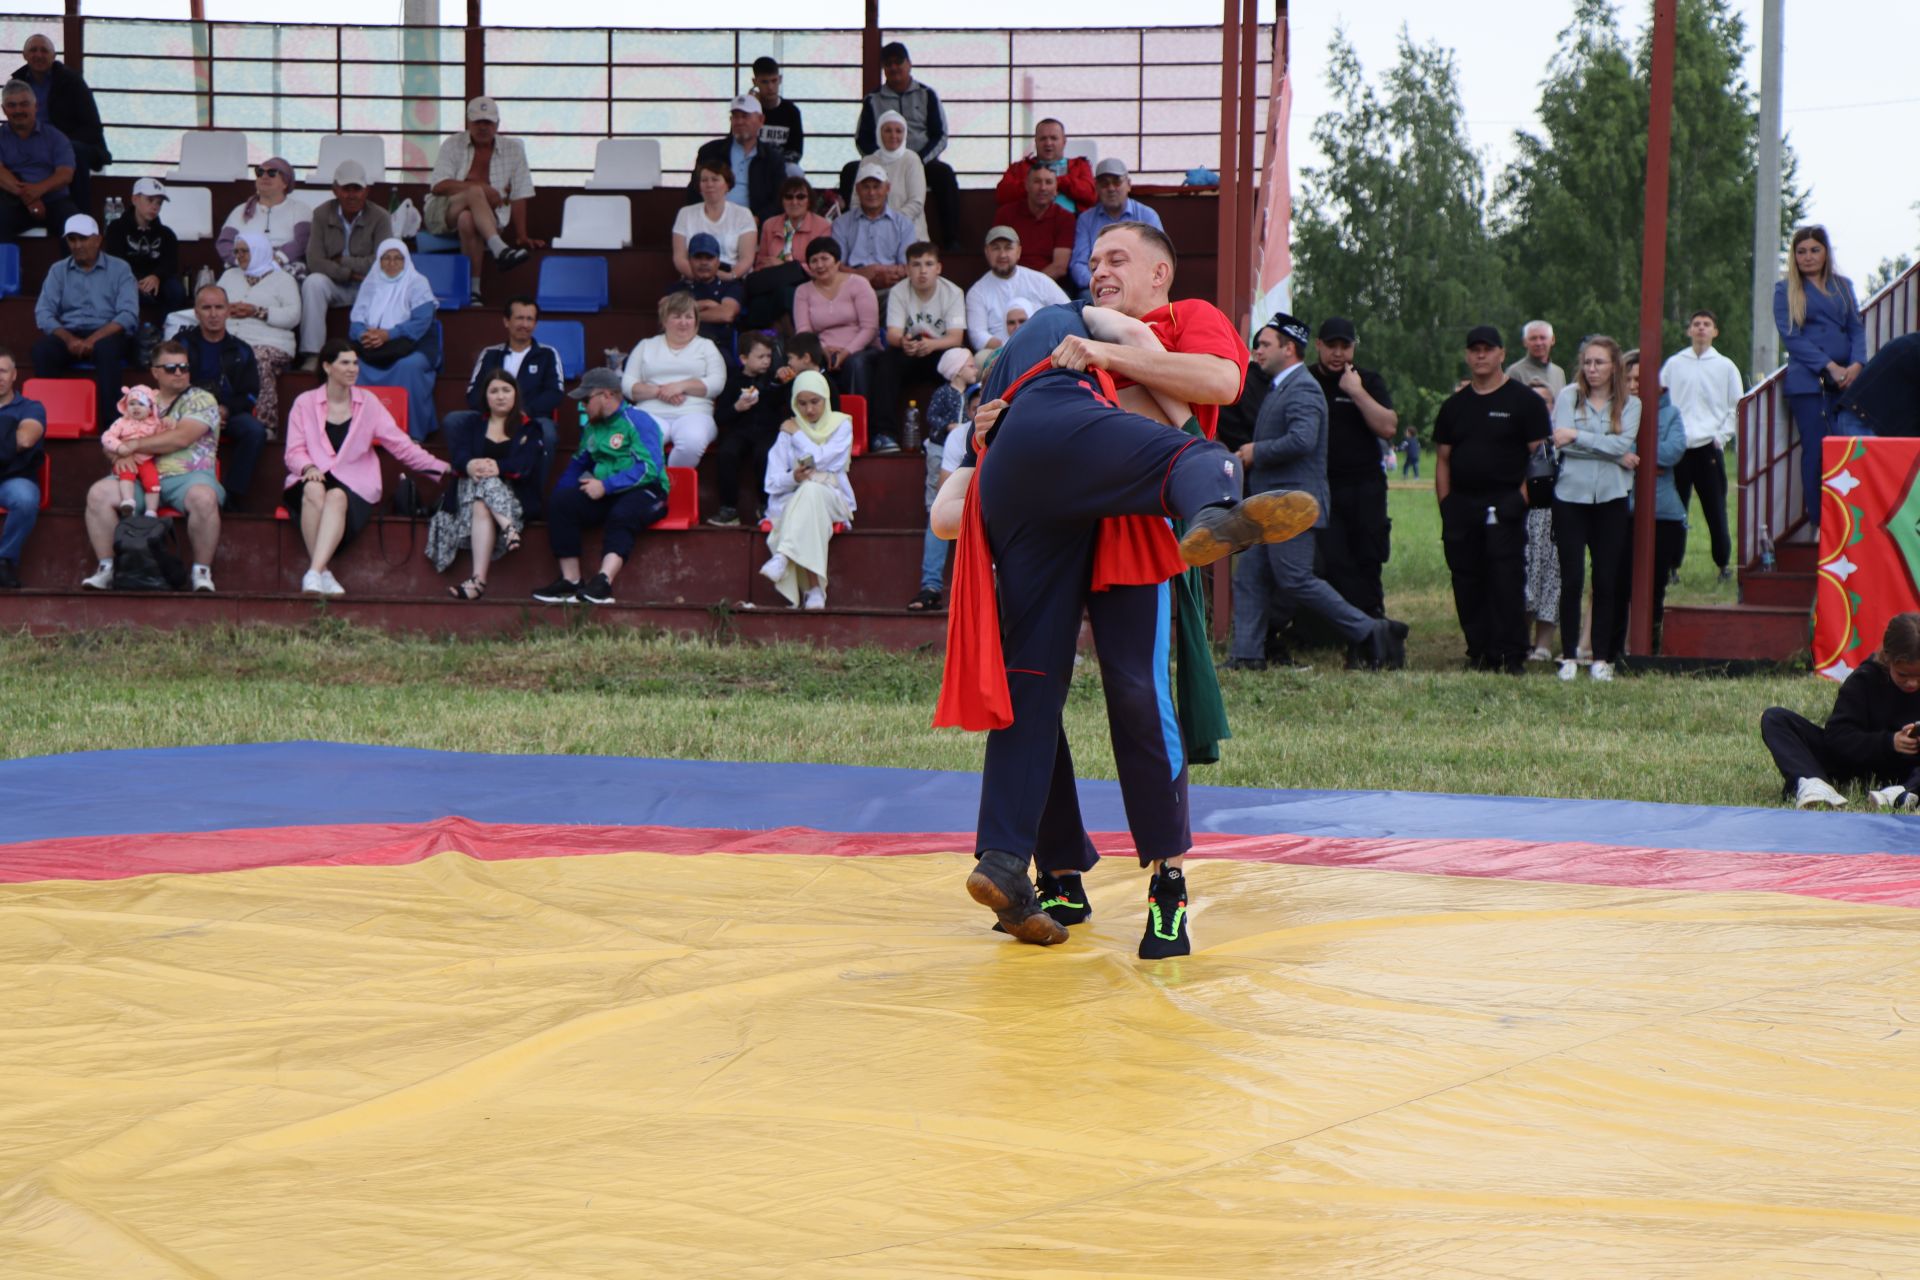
column 1076, row 184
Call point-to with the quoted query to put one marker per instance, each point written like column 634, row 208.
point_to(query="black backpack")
column 144, row 558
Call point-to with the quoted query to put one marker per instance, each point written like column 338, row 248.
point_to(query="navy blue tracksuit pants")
column 1063, row 458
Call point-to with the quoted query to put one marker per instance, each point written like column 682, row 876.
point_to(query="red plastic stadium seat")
column 46, row 484
column 855, row 407
column 395, row 398
column 70, row 404
column 683, row 499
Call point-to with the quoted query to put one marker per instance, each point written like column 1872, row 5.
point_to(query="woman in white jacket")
column 674, row 378
column 807, row 492
column 263, row 311
column 906, row 175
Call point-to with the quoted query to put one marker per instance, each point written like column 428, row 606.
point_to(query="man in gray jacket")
column 346, row 231
column 1289, row 451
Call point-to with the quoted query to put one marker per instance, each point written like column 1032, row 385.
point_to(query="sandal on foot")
column 510, row 540
column 924, row 602
column 471, row 589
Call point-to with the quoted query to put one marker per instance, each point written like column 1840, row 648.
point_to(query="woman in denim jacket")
column 1595, row 425
column 1818, row 316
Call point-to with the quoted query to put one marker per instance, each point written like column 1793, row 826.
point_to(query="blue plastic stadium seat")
column 450, row 275
column 573, row 284
column 427, row 242
column 568, row 338
column 9, row 270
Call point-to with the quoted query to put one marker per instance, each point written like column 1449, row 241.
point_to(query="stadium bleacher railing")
column 1149, row 96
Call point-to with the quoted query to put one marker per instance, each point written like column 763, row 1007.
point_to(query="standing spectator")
column 498, row 456
column 779, row 261
column 1482, row 436
column 926, row 317
column 1359, row 536
column 150, row 250
column 1005, row 279
column 1410, row 455
column 535, row 368
column 1706, row 388
column 66, row 103
column 731, row 226
column 618, row 479
column 758, row 169
column 395, row 333
column 285, row 219
column 23, row 425
column 1595, row 424
column 839, row 306
column 947, row 427
column 1543, row 558
column 1538, row 336
column 479, row 191
column 183, row 454
column 808, row 494
column 926, row 121
column 36, row 167
column 1669, row 512
column 340, row 243
column 1237, row 419
column 716, row 302
column 1045, row 229
column 87, row 310
column 1872, row 735
column 223, row 366
column 1819, row 321
column 672, row 379
column 780, row 126
column 1114, row 187
column 906, row 176
column 263, row 309
column 748, row 412
column 1075, row 180
column 873, row 235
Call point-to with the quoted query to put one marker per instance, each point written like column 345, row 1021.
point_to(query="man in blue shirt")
column 36, row 164
column 873, row 235
column 1114, row 188
column 22, row 424
column 88, row 309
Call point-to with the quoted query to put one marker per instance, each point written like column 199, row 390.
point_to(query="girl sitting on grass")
column 807, row 492
column 1873, row 734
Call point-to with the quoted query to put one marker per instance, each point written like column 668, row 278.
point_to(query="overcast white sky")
column 1852, row 100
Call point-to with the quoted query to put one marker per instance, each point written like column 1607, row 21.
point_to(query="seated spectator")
column 839, row 307
column 807, row 493
column 395, row 335
column 184, row 456
column 66, row 103
column 617, row 479
column 946, row 435
column 137, row 475
column 333, row 477
column 87, row 310
column 284, row 219
column 1116, row 204
column 757, row 170
column 36, row 167
column 498, row 457
column 926, row 120
column 1872, row 735
column 151, row 251
column 731, row 226
column 1019, row 311
column 1075, row 189
column 340, row 246
column 535, row 368
column 1044, row 228
column 479, row 191
column 804, row 353
column 780, row 126
column 263, row 310
column 873, row 236
column 1005, row 280
column 906, row 177
column 224, row 367
column 779, row 261
column 716, row 302
column 23, row 426
column 926, row 318
column 673, row 377
column 749, row 413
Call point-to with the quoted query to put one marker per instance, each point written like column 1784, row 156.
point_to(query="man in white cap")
column 758, row 169
column 150, row 250
column 479, row 191
column 1005, row 280
column 346, row 234
column 1114, row 187
column 873, row 235
column 87, row 311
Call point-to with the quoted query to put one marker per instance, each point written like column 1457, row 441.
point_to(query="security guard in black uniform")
column 1354, row 547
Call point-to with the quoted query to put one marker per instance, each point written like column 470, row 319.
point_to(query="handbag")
column 1543, row 471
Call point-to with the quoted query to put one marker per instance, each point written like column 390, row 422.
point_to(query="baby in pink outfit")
column 139, row 418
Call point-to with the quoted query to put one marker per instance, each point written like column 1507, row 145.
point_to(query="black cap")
column 894, row 51
column 1337, row 329
column 1292, row 330
column 1485, row 335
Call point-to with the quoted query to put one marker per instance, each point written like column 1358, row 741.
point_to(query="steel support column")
column 1653, row 284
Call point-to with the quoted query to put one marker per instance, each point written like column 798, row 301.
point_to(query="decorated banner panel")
column 1869, row 547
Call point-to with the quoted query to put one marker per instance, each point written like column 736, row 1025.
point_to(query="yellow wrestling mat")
column 642, row 1065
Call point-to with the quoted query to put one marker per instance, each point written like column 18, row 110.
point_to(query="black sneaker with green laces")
column 1065, row 898
column 1166, row 932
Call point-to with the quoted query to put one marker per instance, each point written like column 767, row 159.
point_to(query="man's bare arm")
column 950, row 504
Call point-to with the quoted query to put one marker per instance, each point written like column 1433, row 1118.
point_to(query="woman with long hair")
column 1595, row 424
column 1818, row 316
column 498, row 461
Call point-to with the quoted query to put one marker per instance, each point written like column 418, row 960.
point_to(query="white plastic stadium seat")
column 370, row 149
column 208, row 155
column 1084, row 147
column 625, row 164
column 596, row 222
column 189, row 213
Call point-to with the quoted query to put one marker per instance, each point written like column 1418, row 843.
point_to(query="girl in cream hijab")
column 807, row 492
column 907, row 177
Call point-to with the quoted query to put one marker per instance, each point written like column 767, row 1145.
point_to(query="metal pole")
column 1766, row 194
column 1227, row 203
column 475, row 55
column 870, row 46
column 1653, row 282
column 1249, row 176
column 73, row 37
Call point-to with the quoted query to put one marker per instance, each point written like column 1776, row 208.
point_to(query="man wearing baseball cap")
column 758, row 169
column 617, row 479
column 1003, row 281
column 1115, row 203
column 926, row 120
column 150, row 250
column 347, row 231
column 1360, row 424
column 87, row 311
column 479, row 191
column 717, row 301
column 38, row 158
column 873, row 234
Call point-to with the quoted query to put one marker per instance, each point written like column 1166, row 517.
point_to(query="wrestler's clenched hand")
column 1079, row 354
column 983, row 419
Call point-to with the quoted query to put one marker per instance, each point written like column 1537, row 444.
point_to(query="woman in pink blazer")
column 333, row 477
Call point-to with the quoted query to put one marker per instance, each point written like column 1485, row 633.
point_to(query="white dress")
column 804, row 512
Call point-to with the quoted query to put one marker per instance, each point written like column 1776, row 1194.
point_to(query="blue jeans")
column 1818, row 415
column 21, row 497
column 933, row 563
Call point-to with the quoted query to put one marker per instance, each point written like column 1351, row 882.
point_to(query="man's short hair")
column 1708, row 314
column 208, row 288
column 171, row 347
column 923, row 249
column 1049, row 120
column 807, row 343
column 720, row 167
column 765, row 66
column 1151, row 234
column 893, row 51
column 6, row 353
column 753, row 338
column 522, row 301
column 15, row 88
column 1526, row 330
column 1041, row 166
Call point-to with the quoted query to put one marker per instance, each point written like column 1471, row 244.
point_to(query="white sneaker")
column 774, row 569
column 202, row 578
column 1569, row 670
column 1601, row 671
column 330, row 585
column 310, row 584
column 1895, row 797
column 102, row 579
column 1813, row 793
column 815, row 599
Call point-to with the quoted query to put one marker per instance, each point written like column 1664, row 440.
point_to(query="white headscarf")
column 260, row 259
column 880, row 124
column 1027, row 305
column 385, row 301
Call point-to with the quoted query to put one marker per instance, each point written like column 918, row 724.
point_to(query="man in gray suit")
column 1289, row 451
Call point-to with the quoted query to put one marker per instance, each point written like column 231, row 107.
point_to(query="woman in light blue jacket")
column 1818, row 316
column 1595, row 425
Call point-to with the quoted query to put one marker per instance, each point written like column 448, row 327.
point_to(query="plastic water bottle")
column 114, row 208
column 201, row 279
column 1492, row 519
column 1766, row 549
column 911, row 431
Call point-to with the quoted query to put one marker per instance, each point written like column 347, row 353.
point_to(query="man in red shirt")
column 1050, row 148
column 1046, row 230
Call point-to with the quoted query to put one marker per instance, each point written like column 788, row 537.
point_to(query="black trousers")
column 1669, row 543
column 1489, row 567
column 770, row 294
column 624, row 514
column 52, row 360
column 14, row 219
column 1596, row 530
column 1704, row 469
column 740, row 454
column 1353, row 549
column 943, row 200
column 1063, row 458
column 1800, row 750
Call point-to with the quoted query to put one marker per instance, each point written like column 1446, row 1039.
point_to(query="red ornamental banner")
column 1869, row 547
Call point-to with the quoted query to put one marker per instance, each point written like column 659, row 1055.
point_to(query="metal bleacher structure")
column 198, row 102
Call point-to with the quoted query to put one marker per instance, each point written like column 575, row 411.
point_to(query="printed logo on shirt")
column 1498, row 413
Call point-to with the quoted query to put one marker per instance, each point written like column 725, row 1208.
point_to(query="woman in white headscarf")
column 907, row 177
column 263, row 311
column 394, row 330
column 807, row 492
